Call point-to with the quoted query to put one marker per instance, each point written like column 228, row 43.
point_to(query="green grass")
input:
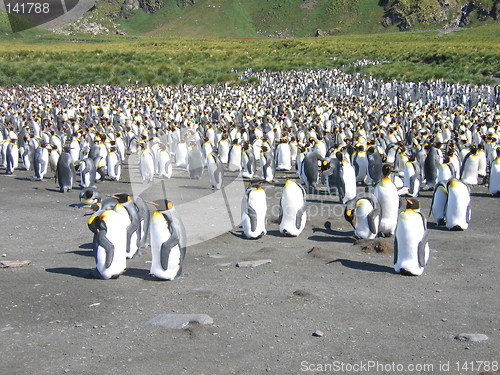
column 470, row 55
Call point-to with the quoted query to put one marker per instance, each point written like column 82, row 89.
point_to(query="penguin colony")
column 340, row 133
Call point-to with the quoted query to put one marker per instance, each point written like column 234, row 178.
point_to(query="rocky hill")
column 282, row 18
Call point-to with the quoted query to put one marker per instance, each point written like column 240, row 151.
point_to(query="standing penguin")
column 494, row 182
column 438, row 205
column 470, row 167
column 146, row 164
column 387, row 195
column 309, row 171
column 412, row 177
column 234, row 157
column 360, row 163
column 12, row 156
column 293, row 209
column 248, row 161
column 215, row 171
column 65, row 171
column 458, row 211
column 363, row 213
column 194, row 163
column 53, row 158
column 109, row 243
column 375, row 161
column 267, row 163
column 114, row 164
column 431, row 165
column 411, row 247
column 165, row 164
column 132, row 220
column 88, row 172
column 41, row 161
column 446, row 170
column 253, row 212
column 168, row 242
column 283, row 156
column 223, row 149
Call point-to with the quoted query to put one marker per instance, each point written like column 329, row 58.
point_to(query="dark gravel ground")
column 56, row 318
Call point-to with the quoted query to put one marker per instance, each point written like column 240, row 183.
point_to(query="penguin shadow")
column 83, row 273
column 86, row 250
column 482, row 195
column 54, row 190
column 140, row 273
column 364, row 266
column 332, row 235
column 434, row 226
column 24, row 178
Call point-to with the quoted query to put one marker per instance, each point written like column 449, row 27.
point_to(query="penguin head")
column 413, row 204
column 122, row 197
column 162, row 204
column 325, row 165
column 386, row 170
column 96, row 224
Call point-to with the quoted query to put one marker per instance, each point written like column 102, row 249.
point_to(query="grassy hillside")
column 465, row 56
column 251, row 18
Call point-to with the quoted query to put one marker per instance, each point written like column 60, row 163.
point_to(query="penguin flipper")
column 280, row 218
column 373, row 220
column 468, row 215
column 395, row 250
column 421, row 249
column 253, row 218
column 107, row 245
column 166, row 247
column 412, row 185
column 298, row 217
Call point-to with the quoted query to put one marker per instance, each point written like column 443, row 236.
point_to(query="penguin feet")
column 456, row 228
column 405, row 272
column 441, row 222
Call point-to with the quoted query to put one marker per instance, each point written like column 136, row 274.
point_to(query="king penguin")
column 215, row 171
column 411, row 247
column 109, row 243
column 114, row 164
column 195, row 162
column 267, row 163
column 65, row 171
column 41, row 161
column 388, row 198
column 234, row 157
column 293, row 209
column 283, row 156
column 470, row 167
column 89, row 196
column 131, row 217
column 438, row 205
column 146, row 164
column 253, row 212
column 363, row 213
column 458, row 210
column 494, row 182
column 88, row 172
column 309, row 172
column 248, row 161
column 168, row 242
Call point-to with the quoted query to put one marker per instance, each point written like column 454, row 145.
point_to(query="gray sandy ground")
column 56, row 318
